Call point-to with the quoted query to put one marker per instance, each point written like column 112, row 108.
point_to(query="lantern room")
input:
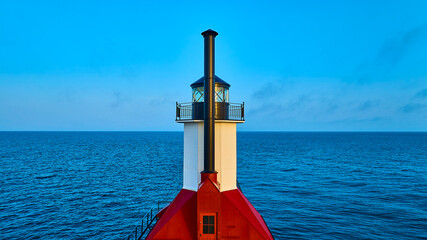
column 224, row 110
column 221, row 90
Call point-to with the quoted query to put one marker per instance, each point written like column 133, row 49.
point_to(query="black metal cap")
column 209, row 32
column 218, row 82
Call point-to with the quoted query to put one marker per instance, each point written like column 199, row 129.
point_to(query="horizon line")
column 301, row 131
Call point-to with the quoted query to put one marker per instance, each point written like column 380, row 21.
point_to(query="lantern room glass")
column 221, row 94
column 198, row 94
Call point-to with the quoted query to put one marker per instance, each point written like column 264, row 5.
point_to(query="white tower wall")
column 225, row 154
column 193, row 154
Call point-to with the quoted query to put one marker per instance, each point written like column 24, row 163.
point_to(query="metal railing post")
column 243, row 111
column 136, row 233
column 177, row 111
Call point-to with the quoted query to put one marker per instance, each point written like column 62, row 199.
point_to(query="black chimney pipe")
column 209, row 102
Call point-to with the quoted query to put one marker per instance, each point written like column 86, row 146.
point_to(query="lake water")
column 96, row 185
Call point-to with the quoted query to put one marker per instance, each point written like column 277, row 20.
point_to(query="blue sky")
column 297, row 65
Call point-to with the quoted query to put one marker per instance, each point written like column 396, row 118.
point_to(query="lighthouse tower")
column 210, row 206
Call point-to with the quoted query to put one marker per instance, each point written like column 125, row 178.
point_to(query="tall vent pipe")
column 209, row 101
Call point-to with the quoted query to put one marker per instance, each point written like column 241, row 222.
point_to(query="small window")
column 226, row 95
column 198, row 94
column 208, row 224
column 219, row 94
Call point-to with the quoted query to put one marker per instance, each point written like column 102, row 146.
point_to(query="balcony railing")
column 223, row 111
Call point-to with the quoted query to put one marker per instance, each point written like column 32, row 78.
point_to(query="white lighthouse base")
column 225, row 153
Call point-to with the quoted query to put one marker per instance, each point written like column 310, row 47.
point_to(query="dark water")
column 96, row 185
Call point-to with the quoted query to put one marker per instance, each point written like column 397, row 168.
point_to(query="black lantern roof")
column 218, row 82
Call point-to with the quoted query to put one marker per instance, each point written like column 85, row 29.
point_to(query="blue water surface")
column 97, row 185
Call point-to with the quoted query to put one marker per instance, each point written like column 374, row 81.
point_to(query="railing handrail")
column 229, row 111
column 148, row 218
column 231, row 103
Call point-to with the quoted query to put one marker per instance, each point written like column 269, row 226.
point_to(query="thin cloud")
column 391, row 54
column 421, row 94
column 118, row 100
column 413, row 107
column 354, row 120
column 267, row 91
column 394, row 51
column 367, row 105
column 301, row 102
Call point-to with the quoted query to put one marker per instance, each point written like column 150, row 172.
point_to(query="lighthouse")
column 210, row 206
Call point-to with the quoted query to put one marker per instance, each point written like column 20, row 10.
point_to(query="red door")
column 208, row 226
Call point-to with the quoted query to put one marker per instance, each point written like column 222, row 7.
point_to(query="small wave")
column 290, row 170
column 46, row 176
column 112, row 204
column 357, row 184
